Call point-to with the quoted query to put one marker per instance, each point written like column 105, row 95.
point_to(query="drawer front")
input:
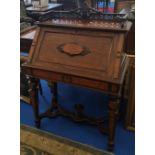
column 59, row 77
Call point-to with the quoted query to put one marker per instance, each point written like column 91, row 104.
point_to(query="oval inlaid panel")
column 72, row 49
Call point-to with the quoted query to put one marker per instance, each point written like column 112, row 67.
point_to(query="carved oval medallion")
column 72, row 49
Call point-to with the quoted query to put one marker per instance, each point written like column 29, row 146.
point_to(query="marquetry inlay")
column 73, row 49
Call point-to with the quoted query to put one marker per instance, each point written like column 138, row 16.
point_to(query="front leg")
column 33, row 90
column 53, row 87
column 52, row 111
column 113, row 110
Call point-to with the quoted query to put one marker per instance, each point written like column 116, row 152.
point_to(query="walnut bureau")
column 88, row 53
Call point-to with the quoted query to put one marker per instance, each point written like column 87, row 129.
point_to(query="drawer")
column 70, row 79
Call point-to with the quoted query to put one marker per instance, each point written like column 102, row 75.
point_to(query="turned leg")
column 113, row 109
column 33, row 85
column 53, row 87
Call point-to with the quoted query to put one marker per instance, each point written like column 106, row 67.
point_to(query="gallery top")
column 107, row 25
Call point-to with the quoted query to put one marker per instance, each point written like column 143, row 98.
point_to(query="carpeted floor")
column 95, row 105
column 38, row 142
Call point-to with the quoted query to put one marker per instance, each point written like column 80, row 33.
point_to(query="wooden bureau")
column 88, row 53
